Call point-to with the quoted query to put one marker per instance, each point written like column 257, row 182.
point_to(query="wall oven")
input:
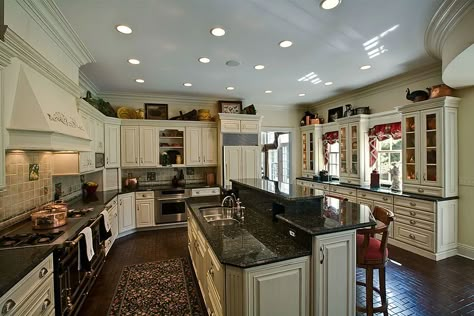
column 170, row 205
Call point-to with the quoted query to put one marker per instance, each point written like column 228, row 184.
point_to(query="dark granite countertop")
column 153, row 187
column 254, row 242
column 291, row 192
column 382, row 189
column 16, row 263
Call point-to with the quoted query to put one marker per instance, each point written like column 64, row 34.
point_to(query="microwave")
column 99, row 160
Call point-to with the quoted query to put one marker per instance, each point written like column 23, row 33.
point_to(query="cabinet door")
column 148, row 146
column 209, row 146
column 344, row 151
column 193, row 146
column 411, row 148
column 114, row 222
column 431, row 147
column 304, row 152
column 232, row 163
column 353, row 142
column 99, row 137
column 130, row 145
column 250, row 165
column 126, row 212
column 112, row 146
column 145, row 212
column 334, row 274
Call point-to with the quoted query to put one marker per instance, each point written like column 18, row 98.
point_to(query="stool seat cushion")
column 373, row 249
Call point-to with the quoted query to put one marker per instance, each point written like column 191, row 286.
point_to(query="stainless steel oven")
column 170, row 205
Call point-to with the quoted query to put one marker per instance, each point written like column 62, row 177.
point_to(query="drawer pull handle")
column 321, row 250
column 43, row 272
column 211, row 272
column 363, row 194
column 412, row 236
column 412, row 204
column 385, row 198
column 412, row 222
column 8, row 306
column 412, row 213
column 421, row 190
column 45, row 305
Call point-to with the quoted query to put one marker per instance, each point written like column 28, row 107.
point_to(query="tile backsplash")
column 163, row 176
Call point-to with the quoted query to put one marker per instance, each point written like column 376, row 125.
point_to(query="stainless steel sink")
column 218, row 216
column 224, row 222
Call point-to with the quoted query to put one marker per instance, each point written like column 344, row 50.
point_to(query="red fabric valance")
column 382, row 132
column 329, row 138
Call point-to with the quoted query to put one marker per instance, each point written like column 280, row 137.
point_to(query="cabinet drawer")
column 384, row 198
column 41, row 302
column 304, row 183
column 205, row 192
column 216, row 274
column 354, row 181
column 415, row 223
column 414, row 213
column 23, row 289
column 418, row 189
column 343, row 191
column 230, row 126
column 414, row 236
column 216, row 306
column 415, row 204
column 369, row 203
column 320, row 186
column 144, row 195
column 249, row 126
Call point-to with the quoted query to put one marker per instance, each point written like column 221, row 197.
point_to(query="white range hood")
column 44, row 117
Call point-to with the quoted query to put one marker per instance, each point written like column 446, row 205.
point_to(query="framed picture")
column 233, row 107
column 334, row 114
column 155, row 111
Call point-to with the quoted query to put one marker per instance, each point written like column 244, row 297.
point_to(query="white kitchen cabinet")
column 241, row 162
column 311, row 150
column 430, row 147
column 99, row 137
column 334, row 280
column 112, row 209
column 86, row 161
column 145, row 213
column 138, row 146
column 148, row 146
column 112, row 146
column 201, row 146
column 172, row 140
column 2, row 133
column 126, row 212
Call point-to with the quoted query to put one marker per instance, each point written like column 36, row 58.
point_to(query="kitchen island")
column 292, row 254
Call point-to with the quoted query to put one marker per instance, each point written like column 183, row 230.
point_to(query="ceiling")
column 170, row 35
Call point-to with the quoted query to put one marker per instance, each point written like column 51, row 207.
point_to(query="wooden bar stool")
column 372, row 253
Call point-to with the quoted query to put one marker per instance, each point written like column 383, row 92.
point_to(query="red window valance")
column 329, row 138
column 382, row 132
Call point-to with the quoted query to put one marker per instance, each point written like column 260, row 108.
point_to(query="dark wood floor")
column 418, row 286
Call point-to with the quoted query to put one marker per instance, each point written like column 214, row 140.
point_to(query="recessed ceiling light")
column 329, row 4
column 230, row 88
column 365, row 67
column 134, row 61
column 301, row 95
column 259, row 67
column 217, row 31
column 268, row 91
column 124, row 29
column 204, row 60
column 139, row 80
column 232, row 63
column 328, row 83
column 285, row 44
column 187, row 84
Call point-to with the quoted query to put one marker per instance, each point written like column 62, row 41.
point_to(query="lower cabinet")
column 112, row 208
column 334, row 279
column 145, row 209
column 126, row 212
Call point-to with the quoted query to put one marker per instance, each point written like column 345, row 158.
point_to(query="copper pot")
column 50, row 216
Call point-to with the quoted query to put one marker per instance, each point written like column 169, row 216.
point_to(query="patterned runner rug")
column 157, row 288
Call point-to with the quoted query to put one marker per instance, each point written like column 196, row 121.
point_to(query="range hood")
column 44, row 117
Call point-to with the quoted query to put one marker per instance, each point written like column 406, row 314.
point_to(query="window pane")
column 397, row 144
column 284, row 138
column 385, row 144
column 394, row 157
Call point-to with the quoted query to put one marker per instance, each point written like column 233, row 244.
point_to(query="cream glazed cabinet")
column 312, row 160
column 430, row 147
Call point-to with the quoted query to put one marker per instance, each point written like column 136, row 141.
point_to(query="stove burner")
column 28, row 239
column 79, row 213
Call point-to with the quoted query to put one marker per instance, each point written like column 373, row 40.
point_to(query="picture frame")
column 155, row 111
column 233, row 107
column 335, row 113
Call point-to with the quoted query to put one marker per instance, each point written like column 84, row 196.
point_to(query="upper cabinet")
column 99, row 136
column 112, row 145
column 430, row 147
column 239, row 123
column 171, row 142
column 138, row 146
column 311, row 150
column 201, row 144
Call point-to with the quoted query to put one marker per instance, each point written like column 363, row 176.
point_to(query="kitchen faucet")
column 237, row 209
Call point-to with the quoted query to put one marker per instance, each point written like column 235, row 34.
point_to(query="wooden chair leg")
column 383, row 291
column 369, row 280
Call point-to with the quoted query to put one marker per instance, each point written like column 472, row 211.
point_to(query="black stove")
column 28, row 239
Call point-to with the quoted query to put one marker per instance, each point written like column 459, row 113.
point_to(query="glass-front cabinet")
column 311, row 149
column 430, row 147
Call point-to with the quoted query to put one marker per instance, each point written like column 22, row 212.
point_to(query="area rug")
column 157, row 288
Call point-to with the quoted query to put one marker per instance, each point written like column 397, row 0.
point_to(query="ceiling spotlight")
column 328, row 83
column 330, row 4
column 365, row 67
column 134, row 61
column 301, row 95
column 204, row 60
column 285, row 44
column 259, row 67
column 187, row 84
column 230, row 88
column 139, row 80
column 124, row 29
column 217, row 31
column 268, row 91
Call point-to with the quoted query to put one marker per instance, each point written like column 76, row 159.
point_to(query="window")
column 389, row 153
column 333, row 162
column 278, row 159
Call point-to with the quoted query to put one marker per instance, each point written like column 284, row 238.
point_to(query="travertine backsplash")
column 165, row 175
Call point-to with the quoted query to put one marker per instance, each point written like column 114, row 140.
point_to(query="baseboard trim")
column 466, row 251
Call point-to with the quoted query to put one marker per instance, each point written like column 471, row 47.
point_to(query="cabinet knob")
column 412, row 213
column 45, row 305
column 363, row 194
column 416, row 175
column 412, row 236
column 424, row 176
column 43, row 272
column 412, row 222
column 412, row 204
column 321, row 251
column 8, row 306
column 385, row 198
column 211, row 271
column 421, row 190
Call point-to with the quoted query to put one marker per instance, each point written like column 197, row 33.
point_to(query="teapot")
column 418, row 95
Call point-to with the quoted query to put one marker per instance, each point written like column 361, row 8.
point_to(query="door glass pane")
column 410, row 124
column 431, row 173
column 431, row 139
column 410, row 155
column 411, row 175
column 431, row 122
column 303, row 144
column 343, row 149
column 431, row 156
column 410, row 139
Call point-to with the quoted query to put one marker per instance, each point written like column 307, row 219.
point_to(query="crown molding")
column 19, row 48
column 6, row 54
column 386, row 84
column 87, row 84
column 48, row 16
column 448, row 15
